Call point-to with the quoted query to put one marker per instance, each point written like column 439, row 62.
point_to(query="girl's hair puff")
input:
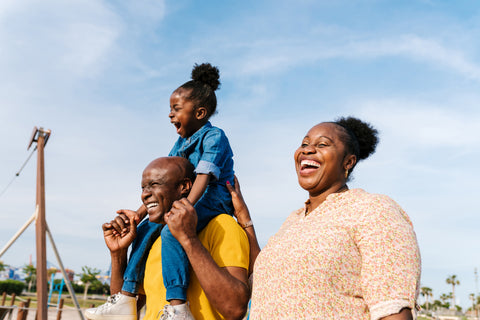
column 205, row 80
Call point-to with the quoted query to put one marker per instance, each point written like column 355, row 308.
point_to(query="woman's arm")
column 404, row 314
column 390, row 256
column 243, row 218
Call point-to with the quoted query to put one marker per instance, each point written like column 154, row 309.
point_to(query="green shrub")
column 12, row 286
column 99, row 288
column 78, row 288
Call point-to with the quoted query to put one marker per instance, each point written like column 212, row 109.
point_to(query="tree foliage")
column 89, row 277
column 31, row 273
column 3, row 266
column 426, row 292
column 452, row 280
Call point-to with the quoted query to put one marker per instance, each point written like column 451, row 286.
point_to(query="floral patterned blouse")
column 354, row 257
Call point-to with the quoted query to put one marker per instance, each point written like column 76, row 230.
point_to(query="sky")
column 99, row 75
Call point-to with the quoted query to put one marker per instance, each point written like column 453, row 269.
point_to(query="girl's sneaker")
column 177, row 312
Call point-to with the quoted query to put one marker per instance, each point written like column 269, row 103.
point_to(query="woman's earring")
column 346, row 173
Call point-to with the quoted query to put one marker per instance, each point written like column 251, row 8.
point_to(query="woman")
column 347, row 254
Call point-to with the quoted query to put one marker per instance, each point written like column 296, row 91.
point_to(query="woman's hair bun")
column 208, row 74
column 365, row 134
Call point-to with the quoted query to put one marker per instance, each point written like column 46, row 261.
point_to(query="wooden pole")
column 23, row 310
column 12, row 303
column 60, row 307
column 40, row 227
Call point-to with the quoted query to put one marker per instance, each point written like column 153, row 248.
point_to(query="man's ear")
column 201, row 113
column 185, row 187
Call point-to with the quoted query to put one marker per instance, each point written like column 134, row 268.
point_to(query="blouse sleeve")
column 390, row 257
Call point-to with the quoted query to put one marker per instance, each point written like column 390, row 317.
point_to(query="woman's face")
column 320, row 160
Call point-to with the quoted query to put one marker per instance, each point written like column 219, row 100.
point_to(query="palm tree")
column 88, row 276
column 454, row 282
column 31, row 273
column 444, row 298
column 472, row 297
column 427, row 293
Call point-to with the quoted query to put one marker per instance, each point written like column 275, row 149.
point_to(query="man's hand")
column 227, row 287
column 182, row 220
column 120, row 232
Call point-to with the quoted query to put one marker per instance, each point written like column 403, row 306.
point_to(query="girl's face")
column 183, row 114
column 320, row 161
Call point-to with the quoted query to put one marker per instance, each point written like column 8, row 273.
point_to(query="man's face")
column 160, row 188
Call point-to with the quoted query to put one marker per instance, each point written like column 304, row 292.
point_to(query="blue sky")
column 99, row 75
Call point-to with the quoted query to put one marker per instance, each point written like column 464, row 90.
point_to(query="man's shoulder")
column 226, row 241
column 221, row 224
column 224, row 219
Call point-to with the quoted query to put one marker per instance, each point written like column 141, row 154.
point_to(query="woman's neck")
column 316, row 200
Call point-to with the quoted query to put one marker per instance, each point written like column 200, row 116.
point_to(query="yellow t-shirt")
column 228, row 245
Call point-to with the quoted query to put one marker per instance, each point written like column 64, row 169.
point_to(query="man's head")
column 165, row 180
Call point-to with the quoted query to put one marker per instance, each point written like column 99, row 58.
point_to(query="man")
column 218, row 255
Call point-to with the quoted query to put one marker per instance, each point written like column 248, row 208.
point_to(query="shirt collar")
column 330, row 197
column 205, row 127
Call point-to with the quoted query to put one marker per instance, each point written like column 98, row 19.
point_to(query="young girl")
column 208, row 149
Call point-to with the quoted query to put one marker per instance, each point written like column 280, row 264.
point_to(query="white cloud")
column 427, row 50
column 145, row 11
column 278, row 55
column 61, row 38
column 423, row 124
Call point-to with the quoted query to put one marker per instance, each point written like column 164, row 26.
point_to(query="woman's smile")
column 308, row 166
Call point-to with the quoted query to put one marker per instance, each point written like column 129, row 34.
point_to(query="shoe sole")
column 91, row 316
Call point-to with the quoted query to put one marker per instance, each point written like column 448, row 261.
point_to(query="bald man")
column 218, row 255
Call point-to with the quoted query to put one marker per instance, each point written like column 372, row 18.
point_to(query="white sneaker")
column 117, row 307
column 178, row 312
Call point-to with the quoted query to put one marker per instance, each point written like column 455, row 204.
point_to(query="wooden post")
column 4, row 296
column 41, row 136
column 59, row 312
column 12, row 303
column 23, row 310
column 41, row 240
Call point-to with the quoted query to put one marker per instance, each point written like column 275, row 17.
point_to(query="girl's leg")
column 147, row 233
column 174, row 267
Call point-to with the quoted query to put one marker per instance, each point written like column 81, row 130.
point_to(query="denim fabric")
column 175, row 271
column 147, row 233
column 209, row 151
